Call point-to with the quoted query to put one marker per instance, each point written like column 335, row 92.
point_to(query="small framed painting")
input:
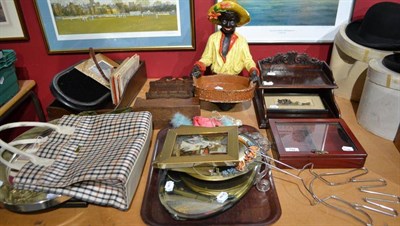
column 190, row 146
column 294, row 102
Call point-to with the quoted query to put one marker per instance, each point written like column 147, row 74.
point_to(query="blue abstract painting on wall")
column 291, row 12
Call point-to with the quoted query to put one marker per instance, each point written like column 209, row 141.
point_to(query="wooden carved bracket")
column 291, row 57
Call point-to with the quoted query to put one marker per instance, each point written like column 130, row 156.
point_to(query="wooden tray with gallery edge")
column 294, row 86
column 327, row 143
column 254, row 208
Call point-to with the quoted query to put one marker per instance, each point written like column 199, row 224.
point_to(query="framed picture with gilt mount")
column 189, row 146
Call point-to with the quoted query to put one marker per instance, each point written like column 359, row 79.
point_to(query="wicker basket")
column 224, row 88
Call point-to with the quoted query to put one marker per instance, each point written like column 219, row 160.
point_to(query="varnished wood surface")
column 383, row 161
column 24, row 87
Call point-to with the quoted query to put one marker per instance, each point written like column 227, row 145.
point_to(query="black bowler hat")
column 379, row 29
column 392, row 62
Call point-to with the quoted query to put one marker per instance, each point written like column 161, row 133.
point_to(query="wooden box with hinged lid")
column 164, row 109
column 326, row 143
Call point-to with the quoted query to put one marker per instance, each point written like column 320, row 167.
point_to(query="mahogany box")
column 326, row 143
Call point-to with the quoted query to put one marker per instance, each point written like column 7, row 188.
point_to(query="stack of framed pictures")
column 298, row 89
column 193, row 179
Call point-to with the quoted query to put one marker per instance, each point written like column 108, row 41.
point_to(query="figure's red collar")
column 233, row 40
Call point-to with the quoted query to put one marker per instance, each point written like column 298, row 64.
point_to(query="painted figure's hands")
column 254, row 77
column 196, row 72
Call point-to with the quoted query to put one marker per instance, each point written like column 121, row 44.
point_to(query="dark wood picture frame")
column 12, row 23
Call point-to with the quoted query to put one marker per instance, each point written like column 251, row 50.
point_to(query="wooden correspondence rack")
column 294, row 86
column 295, row 102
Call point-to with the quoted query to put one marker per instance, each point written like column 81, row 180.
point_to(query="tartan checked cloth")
column 93, row 164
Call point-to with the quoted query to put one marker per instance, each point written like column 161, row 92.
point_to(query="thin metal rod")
column 354, row 179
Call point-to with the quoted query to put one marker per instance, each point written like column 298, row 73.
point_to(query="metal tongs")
column 267, row 161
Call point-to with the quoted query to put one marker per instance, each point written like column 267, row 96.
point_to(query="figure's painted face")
column 228, row 21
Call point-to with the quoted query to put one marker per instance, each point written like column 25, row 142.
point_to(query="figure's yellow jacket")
column 236, row 60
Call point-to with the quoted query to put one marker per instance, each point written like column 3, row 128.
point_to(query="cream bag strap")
column 67, row 130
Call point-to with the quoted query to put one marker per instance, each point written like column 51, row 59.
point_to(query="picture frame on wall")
column 12, row 24
column 116, row 26
column 292, row 21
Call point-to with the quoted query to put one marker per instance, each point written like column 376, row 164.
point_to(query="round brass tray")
column 192, row 198
column 195, row 191
column 24, row 201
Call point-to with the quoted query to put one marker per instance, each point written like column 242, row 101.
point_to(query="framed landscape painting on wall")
column 12, row 25
column 294, row 21
column 107, row 25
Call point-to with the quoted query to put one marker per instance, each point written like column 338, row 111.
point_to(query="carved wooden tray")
column 169, row 87
column 292, row 70
column 289, row 85
column 255, row 208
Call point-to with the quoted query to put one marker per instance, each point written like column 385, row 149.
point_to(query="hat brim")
column 352, row 31
column 392, row 62
column 242, row 12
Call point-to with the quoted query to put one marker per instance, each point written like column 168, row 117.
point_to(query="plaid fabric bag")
column 96, row 163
